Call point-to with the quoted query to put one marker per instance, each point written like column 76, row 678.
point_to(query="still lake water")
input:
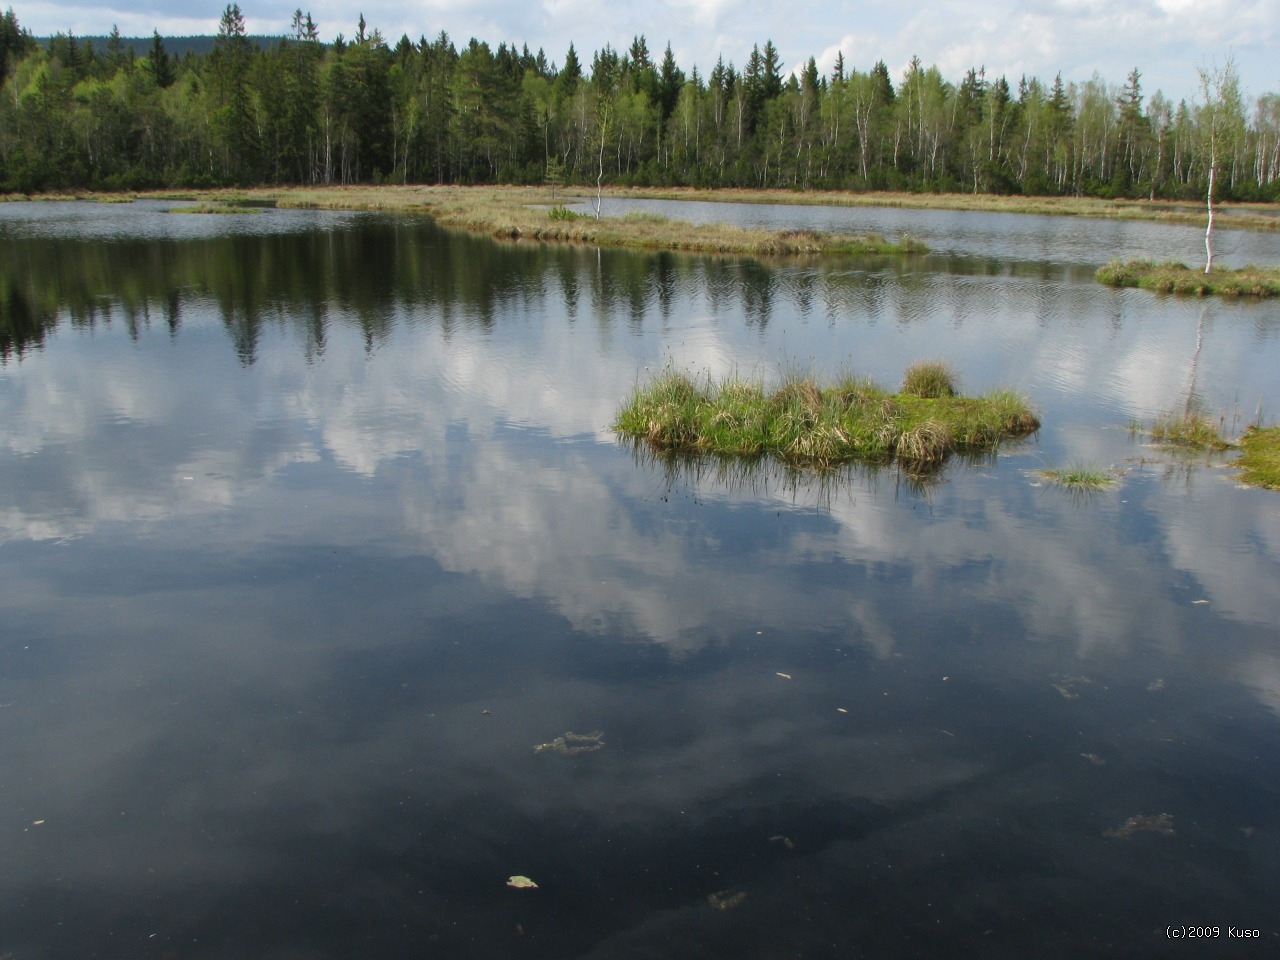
column 312, row 528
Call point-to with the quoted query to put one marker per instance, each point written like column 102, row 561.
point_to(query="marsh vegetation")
column 1170, row 277
column 1191, row 428
column 1260, row 457
column 1081, row 476
column 804, row 424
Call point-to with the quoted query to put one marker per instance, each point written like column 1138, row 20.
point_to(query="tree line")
column 361, row 110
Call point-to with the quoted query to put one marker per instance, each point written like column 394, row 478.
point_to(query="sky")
column 1169, row 41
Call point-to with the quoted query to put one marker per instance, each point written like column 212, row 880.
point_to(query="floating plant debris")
column 1161, row 823
column 572, row 743
column 521, row 883
column 1067, row 687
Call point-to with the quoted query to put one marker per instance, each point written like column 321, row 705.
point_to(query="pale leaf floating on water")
column 1093, row 758
column 785, row 841
column 723, row 900
column 784, row 676
column 521, row 883
column 1161, row 823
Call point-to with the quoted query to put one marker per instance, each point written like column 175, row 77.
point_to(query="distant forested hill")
column 177, row 46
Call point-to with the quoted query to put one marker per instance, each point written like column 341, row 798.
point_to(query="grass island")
column 1170, row 277
column 538, row 214
column 803, row 424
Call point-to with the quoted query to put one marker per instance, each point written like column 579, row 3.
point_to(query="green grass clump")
column 1171, row 277
column 1190, row 428
column 929, row 378
column 804, row 424
column 1260, row 459
column 561, row 213
column 1080, row 476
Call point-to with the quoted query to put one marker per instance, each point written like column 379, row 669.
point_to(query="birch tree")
column 1221, row 118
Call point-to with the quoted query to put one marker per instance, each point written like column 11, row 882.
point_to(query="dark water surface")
column 312, row 528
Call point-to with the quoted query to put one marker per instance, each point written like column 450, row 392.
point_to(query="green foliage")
column 300, row 111
column 562, row 213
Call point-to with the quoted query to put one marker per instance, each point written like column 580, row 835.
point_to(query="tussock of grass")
column 1260, row 459
column 929, row 378
column 645, row 216
column 806, row 425
column 1169, row 277
column 1190, row 428
column 1080, row 476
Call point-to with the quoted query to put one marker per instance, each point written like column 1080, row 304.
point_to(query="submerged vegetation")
column 1169, row 277
column 1260, row 457
column 805, row 425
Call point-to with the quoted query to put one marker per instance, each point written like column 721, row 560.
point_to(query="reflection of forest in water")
column 368, row 270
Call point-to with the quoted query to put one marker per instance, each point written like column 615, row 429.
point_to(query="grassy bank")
column 1260, row 457
column 806, row 425
column 1171, row 277
column 1259, row 216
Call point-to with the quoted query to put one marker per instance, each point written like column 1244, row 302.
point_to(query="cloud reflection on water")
column 277, row 597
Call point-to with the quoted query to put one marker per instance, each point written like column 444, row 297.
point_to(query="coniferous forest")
column 76, row 114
